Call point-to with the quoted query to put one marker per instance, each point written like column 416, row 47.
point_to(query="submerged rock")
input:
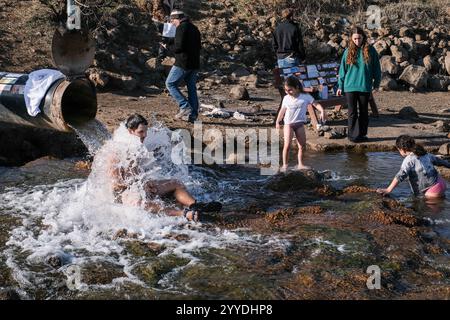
column 144, row 249
column 101, row 272
column 295, row 180
column 152, row 272
column 282, row 214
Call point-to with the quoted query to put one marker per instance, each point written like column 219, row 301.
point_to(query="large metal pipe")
column 66, row 103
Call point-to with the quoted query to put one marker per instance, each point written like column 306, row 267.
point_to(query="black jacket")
column 187, row 46
column 288, row 40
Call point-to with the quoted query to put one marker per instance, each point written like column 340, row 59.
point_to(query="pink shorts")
column 438, row 188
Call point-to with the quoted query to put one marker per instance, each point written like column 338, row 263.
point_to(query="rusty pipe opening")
column 79, row 102
column 69, row 103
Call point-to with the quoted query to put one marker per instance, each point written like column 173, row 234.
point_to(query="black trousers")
column 358, row 114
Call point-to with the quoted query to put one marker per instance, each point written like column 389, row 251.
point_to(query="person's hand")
column 384, row 192
column 339, row 92
column 277, row 126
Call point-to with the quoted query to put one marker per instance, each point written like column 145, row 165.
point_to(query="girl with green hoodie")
column 359, row 75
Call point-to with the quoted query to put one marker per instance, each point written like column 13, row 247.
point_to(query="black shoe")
column 213, row 206
column 192, row 120
column 363, row 139
column 359, row 139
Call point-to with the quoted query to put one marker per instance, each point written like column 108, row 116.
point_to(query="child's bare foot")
column 303, row 167
column 283, row 168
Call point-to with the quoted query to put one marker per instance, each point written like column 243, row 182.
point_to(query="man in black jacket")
column 288, row 41
column 187, row 62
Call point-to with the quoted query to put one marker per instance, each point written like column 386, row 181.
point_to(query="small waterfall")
column 93, row 134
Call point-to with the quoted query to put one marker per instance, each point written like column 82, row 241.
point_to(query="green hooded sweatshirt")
column 360, row 77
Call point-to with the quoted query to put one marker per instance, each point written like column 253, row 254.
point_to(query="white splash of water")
column 78, row 219
column 336, row 176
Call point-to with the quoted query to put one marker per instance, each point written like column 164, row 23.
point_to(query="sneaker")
column 213, row 206
column 183, row 114
column 191, row 119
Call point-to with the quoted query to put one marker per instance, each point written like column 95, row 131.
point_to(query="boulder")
column 441, row 126
column 416, row 76
column 389, row 65
column 399, row 53
column 430, row 64
column 405, row 32
column 423, row 48
column 438, row 82
column 408, row 113
column 294, row 180
column 382, row 47
column 239, row 93
column 240, row 72
column 444, row 149
column 127, row 83
column 447, row 63
column 99, row 78
column 410, row 45
column 250, row 81
column 387, row 83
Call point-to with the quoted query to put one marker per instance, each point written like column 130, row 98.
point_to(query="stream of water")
column 59, row 223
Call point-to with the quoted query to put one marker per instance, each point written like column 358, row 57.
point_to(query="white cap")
column 177, row 14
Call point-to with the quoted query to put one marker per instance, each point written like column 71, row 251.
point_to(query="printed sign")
column 312, row 71
column 169, row 30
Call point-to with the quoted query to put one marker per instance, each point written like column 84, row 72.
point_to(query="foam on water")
column 77, row 220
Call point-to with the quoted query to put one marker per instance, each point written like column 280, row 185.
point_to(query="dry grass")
column 396, row 13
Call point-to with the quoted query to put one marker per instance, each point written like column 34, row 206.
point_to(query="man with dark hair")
column 122, row 173
column 187, row 62
column 288, row 41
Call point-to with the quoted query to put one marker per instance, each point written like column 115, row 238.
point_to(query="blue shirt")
column 420, row 171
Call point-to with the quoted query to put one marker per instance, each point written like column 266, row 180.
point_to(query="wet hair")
column 293, row 82
column 134, row 121
column 352, row 55
column 408, row 143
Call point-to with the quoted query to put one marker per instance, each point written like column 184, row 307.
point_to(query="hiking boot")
column 183, row 114
column 213, row 206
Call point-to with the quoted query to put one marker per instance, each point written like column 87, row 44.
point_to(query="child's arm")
column 439, row 162
column 399, row 177
column 280, row 117
column 319, row 107
column 391, row 187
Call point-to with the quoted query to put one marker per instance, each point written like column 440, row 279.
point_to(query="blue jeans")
column 288, row 62
column 174, row 78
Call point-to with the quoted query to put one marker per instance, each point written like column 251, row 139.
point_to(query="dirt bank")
column 431, row 107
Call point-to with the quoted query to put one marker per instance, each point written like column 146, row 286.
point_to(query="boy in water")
column 137, row 126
